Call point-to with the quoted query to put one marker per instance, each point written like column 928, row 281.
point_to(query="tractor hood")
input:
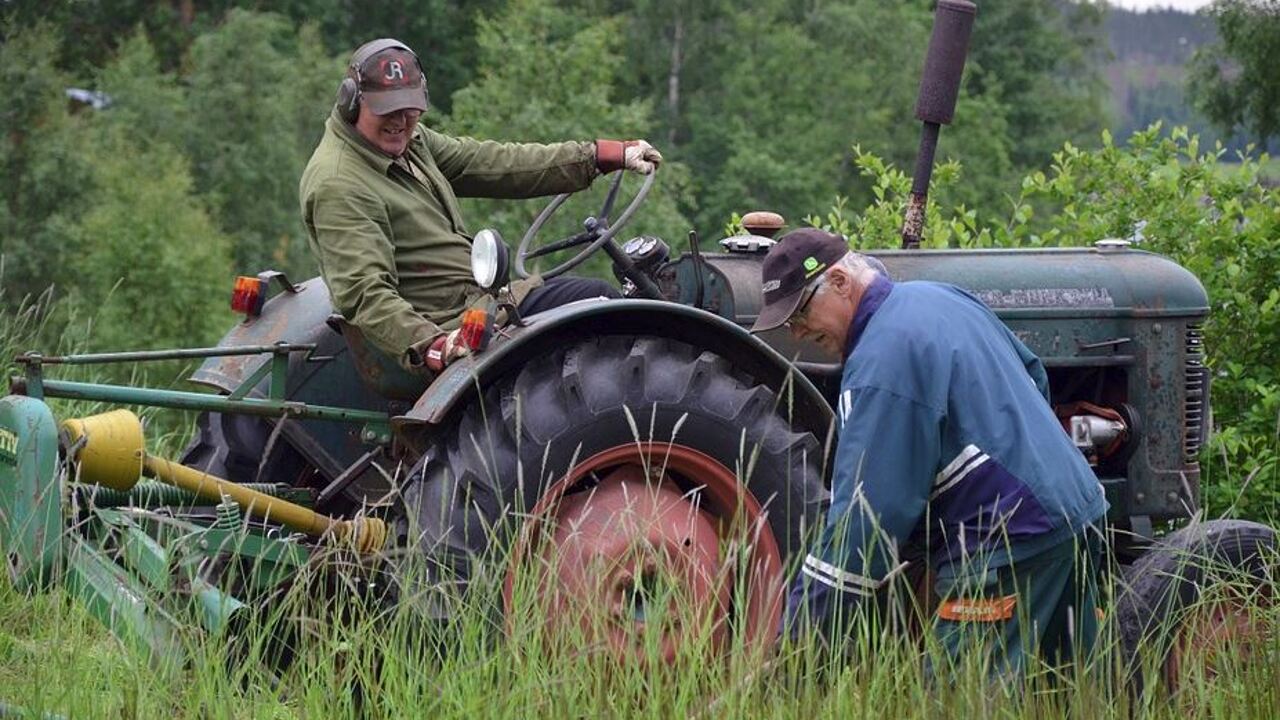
column 1069, row 281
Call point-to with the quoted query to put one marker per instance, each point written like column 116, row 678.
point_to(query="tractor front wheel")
column 617, row 480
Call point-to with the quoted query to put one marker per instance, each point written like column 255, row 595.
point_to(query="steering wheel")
column 597, row 230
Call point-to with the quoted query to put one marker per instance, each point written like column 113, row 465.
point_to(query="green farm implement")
column 134, row 535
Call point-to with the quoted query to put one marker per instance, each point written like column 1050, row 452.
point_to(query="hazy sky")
column 1187, row 5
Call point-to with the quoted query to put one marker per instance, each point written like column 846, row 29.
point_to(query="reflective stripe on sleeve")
column 966, row 462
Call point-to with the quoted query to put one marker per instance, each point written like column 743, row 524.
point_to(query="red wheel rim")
column 1224, row 627
column 638, row 529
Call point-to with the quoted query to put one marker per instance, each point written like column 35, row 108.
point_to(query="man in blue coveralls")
column 945, row 437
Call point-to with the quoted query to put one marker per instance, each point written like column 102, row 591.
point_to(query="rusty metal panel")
column 288, row 317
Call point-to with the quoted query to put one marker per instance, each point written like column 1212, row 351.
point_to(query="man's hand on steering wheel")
column 598, row 230
column 637, row 156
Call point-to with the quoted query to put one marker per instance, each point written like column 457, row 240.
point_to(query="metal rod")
column 913, row 222
column 204, row 402
column 696, row 253
column 924, row 158
column 148, row 355
column 367, row 534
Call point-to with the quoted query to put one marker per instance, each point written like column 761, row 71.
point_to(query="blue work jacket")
column 945, row 434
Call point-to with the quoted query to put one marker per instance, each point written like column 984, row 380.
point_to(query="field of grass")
column 55, row 658
column 1268, row 172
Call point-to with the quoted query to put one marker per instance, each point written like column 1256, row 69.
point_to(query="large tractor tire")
column 578, row 435
column 241, row 448
column 1199, row 600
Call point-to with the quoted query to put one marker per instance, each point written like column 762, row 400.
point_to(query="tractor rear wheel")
column 639, row 460
column 1199, row 601
column 241, row 448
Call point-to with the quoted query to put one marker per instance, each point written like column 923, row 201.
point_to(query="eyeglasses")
column 798, row 315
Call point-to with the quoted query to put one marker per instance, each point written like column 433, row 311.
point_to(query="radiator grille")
column 1194, row 405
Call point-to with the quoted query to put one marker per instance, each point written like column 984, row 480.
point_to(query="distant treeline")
column 1147, row 72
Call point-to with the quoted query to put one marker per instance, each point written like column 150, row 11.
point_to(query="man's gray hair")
column 857, row 265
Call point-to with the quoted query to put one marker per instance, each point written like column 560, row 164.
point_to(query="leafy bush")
column 147, row 243
column 1162, row 191
column 546, row 75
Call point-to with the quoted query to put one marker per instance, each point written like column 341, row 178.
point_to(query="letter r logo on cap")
column 394, row 71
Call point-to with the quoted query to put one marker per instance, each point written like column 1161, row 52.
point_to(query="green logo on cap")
column 811, row 266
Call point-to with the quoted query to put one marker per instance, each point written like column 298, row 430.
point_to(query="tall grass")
column 354, row 657
column 55, row 326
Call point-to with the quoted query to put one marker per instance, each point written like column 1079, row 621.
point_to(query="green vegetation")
column 1234, row 81
column 353, row 658
column 743, row 101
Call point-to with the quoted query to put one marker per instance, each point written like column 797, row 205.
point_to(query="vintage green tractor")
column 659, row 405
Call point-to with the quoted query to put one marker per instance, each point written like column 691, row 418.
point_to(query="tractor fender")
column 570, row 323
column 329, row 375
column 290, row 317
column 306, row 316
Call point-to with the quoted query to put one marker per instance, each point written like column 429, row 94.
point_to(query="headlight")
column 489, row 260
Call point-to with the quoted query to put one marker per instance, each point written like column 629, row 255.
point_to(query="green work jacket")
column 391, row 243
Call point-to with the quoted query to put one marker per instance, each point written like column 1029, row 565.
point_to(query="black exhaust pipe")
column 936, row 105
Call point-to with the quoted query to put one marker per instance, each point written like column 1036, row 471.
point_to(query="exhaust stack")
column 936, row 104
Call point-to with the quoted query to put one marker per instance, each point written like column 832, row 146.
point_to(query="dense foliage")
column 758, row 104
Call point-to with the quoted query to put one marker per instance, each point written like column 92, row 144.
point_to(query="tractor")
column 660, row 404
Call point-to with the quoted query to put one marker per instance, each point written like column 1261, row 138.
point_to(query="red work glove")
column 443, row 350
column 634, row 155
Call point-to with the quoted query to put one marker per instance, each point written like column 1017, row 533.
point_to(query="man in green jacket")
column 380, row 202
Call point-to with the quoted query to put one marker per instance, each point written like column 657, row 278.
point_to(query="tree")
column 1040, row 59
column 148, row 260
column 45, row 178
column 1234, row 82
column 795, row 92
column 260, row 92
column 146, row 101
column 548, row 75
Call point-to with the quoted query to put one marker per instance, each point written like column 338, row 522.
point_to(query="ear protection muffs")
column 348, row 102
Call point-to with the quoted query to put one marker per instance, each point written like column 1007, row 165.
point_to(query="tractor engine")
column 1118, row 330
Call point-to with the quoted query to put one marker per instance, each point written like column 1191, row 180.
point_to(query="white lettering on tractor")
column 8, row 445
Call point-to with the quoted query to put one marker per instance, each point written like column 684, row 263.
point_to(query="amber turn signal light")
column 248, row 296
column 477, row 328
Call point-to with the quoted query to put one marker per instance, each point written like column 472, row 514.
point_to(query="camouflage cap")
column 390, row 79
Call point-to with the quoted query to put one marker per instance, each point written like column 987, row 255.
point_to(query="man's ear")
column 840, row 281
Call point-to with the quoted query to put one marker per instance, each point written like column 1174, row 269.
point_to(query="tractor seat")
column 379, row 371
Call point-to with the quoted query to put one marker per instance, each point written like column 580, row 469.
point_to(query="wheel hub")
column 648, row 549
column 1218, row 632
